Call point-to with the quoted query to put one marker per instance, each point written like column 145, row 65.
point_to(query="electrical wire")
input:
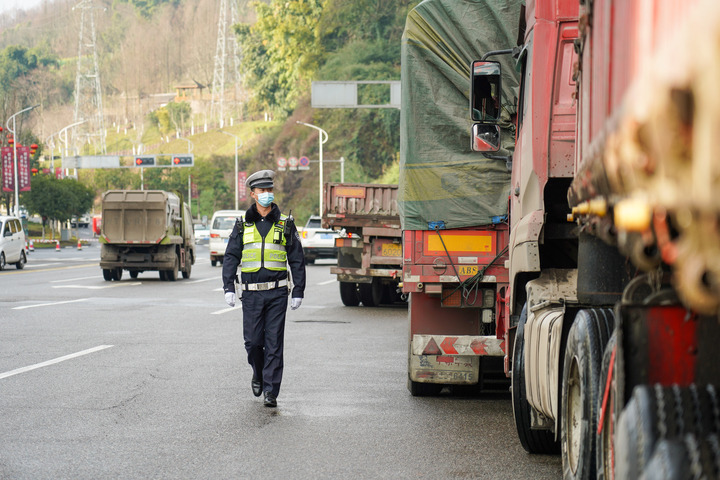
column 472, row 283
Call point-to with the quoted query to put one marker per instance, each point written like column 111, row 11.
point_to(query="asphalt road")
column 149, row 379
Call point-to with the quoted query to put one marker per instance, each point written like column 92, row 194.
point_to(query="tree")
column 48, row 199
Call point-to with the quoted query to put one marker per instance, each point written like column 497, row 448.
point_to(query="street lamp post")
column 7, row 125
column 321, row 159
column 237, row 139
column 65, row 140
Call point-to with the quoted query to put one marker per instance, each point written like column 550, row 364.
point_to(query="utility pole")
column 217, row 107
column 226, row 43
column 88, row 93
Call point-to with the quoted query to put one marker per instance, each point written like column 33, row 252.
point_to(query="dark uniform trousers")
column 264, row 334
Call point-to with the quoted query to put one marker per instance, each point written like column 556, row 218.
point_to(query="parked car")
column 84, row 221
column 318, row 242
column 202, row 234
column 12, row 243
column 221, row 227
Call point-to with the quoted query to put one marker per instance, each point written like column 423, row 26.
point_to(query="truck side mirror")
column 485, row 91
column 485, row 138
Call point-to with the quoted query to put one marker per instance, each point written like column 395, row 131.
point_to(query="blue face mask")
column 265, row 198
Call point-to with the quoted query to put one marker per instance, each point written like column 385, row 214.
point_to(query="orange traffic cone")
column 31, row 248
column 79, row 245
column 57, row 246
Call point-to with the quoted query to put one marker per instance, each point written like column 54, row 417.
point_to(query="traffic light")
column 182, row 160
column 145, row 161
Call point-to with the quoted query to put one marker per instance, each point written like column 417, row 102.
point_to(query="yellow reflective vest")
column 269, row 252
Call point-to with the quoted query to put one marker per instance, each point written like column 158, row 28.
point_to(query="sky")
column 7, row 5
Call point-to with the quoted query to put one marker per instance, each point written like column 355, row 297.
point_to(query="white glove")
column 295, row 303
column 230, row 298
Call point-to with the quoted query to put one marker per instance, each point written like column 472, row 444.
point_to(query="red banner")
column 242, row 191
column 59, row 173
column 8, row 170
column 193, row 190
column 24, row 174
column 8, row 179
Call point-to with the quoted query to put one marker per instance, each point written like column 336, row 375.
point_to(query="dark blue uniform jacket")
column 233, row 254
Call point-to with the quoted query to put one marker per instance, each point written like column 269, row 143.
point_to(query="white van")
column 12, row 243
column 221, row 227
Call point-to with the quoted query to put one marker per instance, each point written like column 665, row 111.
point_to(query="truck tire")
column 605, row 451
column 163, row 276
column 655, row 412
column 418, row 389
column 188, row 269
column 580, row 385
column 533, row 441
column 172, row 274
column 117, row 274
column 134, row 274
column 108, row 274
column 371, row 293
column 213, row 262
column 685, row 457
column 2, row 261
column 349, row 294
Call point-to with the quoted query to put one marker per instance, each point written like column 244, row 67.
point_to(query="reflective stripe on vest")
column 269, row 252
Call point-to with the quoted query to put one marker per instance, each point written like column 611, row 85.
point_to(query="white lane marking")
column 204, row 280
column 225, row 310
column 71, row 279
column 42, row 265
column 48, row 304
column 312, row 306
column 328, row 282
column 53, row 361
column 94, row 287
column 219, row 289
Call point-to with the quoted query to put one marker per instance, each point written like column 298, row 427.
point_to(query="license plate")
column 467, row 270
column 391, row 250
column 325, row 236
column 226, row 240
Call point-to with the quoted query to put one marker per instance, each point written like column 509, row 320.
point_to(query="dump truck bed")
column 131, row 216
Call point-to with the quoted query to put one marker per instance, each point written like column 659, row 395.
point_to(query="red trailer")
column 453, row 201
column 613, row 294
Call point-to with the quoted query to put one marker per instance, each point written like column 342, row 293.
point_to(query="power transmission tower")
column 225, row 42
column 88, row 94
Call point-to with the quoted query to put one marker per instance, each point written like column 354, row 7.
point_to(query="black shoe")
column 270, row 400
column 256, row 386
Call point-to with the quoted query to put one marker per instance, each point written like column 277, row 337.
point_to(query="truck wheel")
column 655, row 412
column 533, row 441
column 349, row 294
column 2, row 261
column 213, row 262
column 117, row 274
column 133, row 274
column 605, row 441
column 172, row 274
column 580, row 386
column 163, row 277
column 418, row 389
column 371, row 293
column 188, row 269
column 685, row 457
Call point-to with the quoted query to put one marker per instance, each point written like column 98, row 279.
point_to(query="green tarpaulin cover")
column 441, row 178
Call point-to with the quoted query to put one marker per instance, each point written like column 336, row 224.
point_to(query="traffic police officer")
column 263, row 245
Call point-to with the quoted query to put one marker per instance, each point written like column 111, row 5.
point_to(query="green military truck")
column 146, row 230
